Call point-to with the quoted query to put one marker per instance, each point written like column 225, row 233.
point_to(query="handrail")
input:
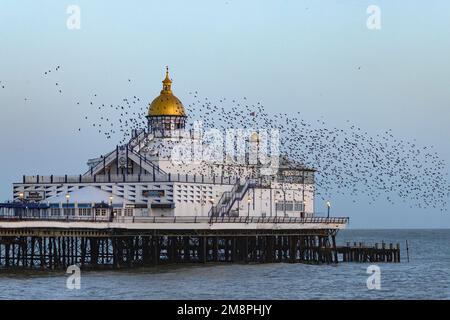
column 136, row 137
column 221, row 209
column 136, row 141
column 108, row 178
column 227, row 194
column 100, row 163
column 145, row 160
column 181, row 219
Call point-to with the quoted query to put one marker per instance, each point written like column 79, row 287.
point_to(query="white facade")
column 187, row 199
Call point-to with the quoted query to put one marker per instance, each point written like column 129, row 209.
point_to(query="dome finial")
column 167, row 83
column 166, row 104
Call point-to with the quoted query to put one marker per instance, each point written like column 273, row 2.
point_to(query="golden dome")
column 166, row 104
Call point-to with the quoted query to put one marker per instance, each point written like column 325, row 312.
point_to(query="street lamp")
column 328, row 207
column 276, row 208
column 67, row 206
column 21, row 198
column 304, row 208
column 211, row 200
column 248, row 201
column 111, row 213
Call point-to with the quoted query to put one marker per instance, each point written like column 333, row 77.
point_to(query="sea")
column 425, row 276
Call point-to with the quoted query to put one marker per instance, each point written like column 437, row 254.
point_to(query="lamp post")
column 328, row 207
column 248, row 211
column 276, row 208
column 304, row 208
column 67, row 206
column 21, row 198
column 111, row 212
column 211, row 200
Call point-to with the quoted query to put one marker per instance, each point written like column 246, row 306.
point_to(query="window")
column 101, row 212
column 85, row 212
column 279, row 206
column 289, row 206
column 298, row 206
column 69, row 211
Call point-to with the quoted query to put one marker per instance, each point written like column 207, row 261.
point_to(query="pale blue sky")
column 290, row 55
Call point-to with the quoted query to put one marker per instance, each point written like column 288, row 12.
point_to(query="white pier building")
column 141, row 178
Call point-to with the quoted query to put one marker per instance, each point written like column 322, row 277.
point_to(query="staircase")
column 134, row 146
column 139, row 139
column 105, row 159
column 226, row 202
column 146, row 164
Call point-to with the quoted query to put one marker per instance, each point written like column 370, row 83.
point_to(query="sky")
column 314, row 57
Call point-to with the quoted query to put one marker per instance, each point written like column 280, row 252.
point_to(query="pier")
column 136, row 205
column 31, row 242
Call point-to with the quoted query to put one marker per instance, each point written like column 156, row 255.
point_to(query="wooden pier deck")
column 362, row 253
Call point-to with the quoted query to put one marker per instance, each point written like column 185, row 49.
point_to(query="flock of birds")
column 349, row 161
column 128, row 115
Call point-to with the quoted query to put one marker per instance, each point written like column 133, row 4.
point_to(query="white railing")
column 128, row 178
column 194, row 219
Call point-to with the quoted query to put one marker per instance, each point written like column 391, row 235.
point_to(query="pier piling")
column 54, row 249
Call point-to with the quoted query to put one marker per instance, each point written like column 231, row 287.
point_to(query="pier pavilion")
column 136, row 205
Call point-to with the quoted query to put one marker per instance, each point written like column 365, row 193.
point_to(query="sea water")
column 425, row 276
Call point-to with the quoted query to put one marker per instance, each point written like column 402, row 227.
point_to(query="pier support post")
column 333, row 238
column 203, row 241
column 292, row 248
column 186, row 249
column 156, row 249
column 215, row 249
